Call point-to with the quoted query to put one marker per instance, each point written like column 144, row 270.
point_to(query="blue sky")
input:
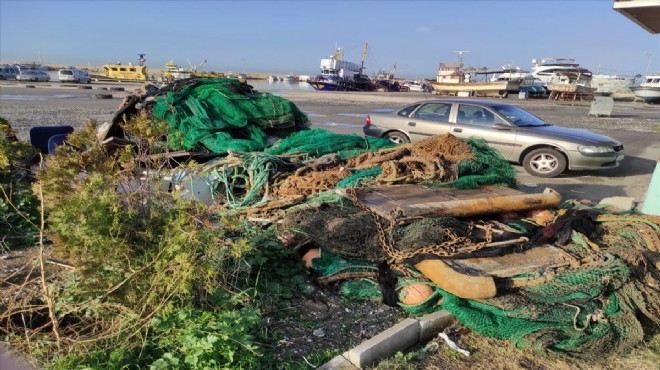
column 292, row 36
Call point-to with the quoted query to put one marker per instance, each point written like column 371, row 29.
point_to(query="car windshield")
column 519, row 117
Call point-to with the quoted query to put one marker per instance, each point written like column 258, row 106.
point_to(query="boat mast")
column 460, row 56
column 460, row 53
column 364, row 56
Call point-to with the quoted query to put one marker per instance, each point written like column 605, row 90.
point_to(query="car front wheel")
column 397, row 137
column 544, row 162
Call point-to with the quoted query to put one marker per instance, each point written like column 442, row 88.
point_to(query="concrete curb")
column 399, row 337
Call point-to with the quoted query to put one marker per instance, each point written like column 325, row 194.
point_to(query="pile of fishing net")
column 605, row 301
column 273, row 168
column 214, row 114
column 310, row 162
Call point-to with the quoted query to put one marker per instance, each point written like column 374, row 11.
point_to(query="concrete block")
column 397, row 338
column 652, row 200
column 622, row 203
column 601, row 106
column 338, row 363
column 433, row 323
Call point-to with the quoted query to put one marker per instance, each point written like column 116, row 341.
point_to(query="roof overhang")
column 646, row 13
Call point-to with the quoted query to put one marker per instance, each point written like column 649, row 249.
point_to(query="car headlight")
column 585, row 149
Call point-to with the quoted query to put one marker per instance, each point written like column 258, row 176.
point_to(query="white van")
column 73, row 75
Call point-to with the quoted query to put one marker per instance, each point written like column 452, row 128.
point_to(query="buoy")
column 457, row 283
column 652, row 200
column 415, row 294
column 310, row 255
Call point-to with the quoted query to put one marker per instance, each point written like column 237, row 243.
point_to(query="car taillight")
column 368, row 123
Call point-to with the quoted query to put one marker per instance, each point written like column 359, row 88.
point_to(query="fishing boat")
column 386, row 81
column 454, row 79
column 174, row 72
column 124, row 73
column 340, row 75
column 649, row 90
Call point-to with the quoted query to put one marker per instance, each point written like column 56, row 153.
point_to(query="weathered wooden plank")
column 419, row 201
column 532, row 260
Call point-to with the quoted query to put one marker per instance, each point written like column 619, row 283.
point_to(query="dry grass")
column 488, row 353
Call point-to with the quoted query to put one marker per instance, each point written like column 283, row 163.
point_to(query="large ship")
column 340, row 75
column 124, row 73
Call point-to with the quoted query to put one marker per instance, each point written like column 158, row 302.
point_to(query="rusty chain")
column 455, row 244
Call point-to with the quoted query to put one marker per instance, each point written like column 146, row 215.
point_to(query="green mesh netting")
column 488, row 168
column 218, row 114
column 331, row 266
column 361, row 289
column 358, row 177
column 603, row 306
column 318, row 142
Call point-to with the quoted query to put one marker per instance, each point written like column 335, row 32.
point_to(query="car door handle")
column 458, row 130
column 412, row 123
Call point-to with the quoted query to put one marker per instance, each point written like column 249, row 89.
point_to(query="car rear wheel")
column 397, row 137
column 544, row 162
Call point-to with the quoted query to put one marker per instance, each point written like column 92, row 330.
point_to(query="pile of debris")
column 431, row 225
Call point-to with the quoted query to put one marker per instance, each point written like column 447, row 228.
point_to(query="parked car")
column 8, row 72
column 543, row 149
column 73, row 75
column 33, row 75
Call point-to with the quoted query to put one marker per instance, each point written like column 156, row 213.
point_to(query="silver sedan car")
column 543, row 149
column 33, row 75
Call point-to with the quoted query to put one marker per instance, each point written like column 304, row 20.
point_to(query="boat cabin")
column 119, row 71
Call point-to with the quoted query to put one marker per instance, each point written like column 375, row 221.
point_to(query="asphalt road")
column 636, row 125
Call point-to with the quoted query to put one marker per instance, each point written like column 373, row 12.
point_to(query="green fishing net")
column 221, row 114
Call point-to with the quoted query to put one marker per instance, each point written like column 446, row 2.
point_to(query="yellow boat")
column 123, row 73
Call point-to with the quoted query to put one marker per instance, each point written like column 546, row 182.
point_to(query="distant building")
column 646, row 13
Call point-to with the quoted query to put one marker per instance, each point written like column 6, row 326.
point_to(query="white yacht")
column 609, row 84
column 649, row 90
column 560, row 71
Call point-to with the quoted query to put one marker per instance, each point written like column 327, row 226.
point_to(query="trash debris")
column 453, row 345
column 431, row 225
